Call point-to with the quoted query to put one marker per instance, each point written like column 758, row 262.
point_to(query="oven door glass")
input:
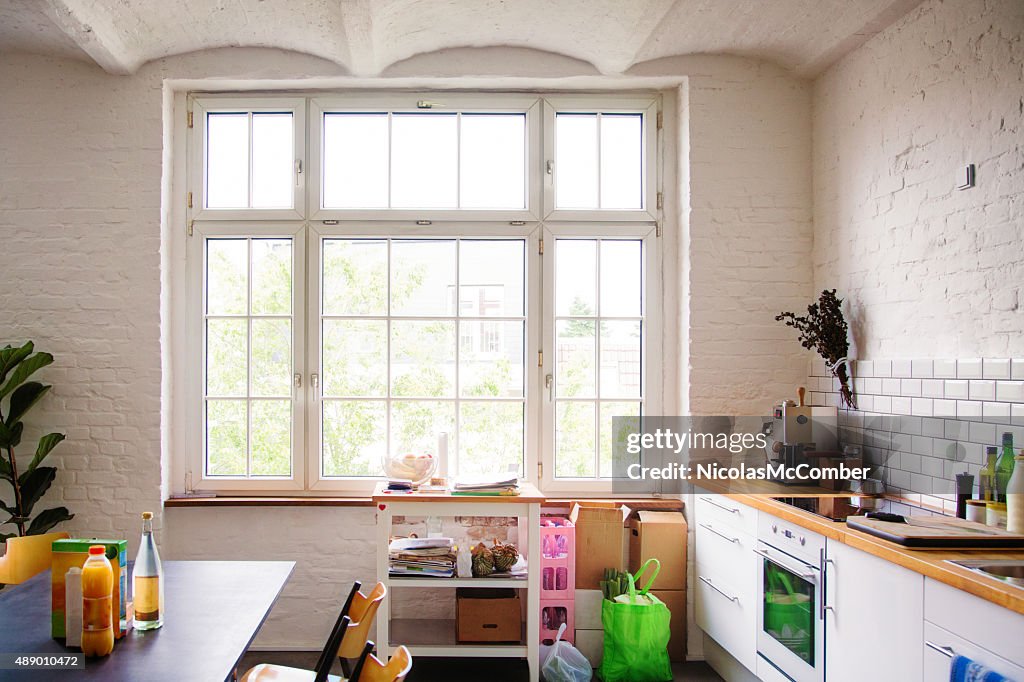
column 788, row 611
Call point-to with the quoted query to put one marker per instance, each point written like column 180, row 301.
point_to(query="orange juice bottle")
column 97, row 592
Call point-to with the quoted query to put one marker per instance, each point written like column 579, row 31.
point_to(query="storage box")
column 73, row 552
column 553, row 614
column 675, row 600
column 591, row 644
column 488, row 615
column 598, row 541
column 662, row 535
column 588, row 609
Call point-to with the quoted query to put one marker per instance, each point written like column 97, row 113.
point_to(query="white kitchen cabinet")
column 960, row 623
column 874, row 615
column 725, row 602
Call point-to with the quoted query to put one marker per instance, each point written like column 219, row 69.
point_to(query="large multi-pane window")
column 469, row 278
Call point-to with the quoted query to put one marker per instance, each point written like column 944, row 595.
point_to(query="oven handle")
column 719, row 533
column 809, row 575
column 825, row 561
column 717, row 589
column 946, row 651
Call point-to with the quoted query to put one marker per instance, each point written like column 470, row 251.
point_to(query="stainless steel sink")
column 1010, row 571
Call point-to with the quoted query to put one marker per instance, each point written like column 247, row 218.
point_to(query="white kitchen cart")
column 434, row 637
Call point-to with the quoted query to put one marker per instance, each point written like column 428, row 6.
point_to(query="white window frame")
column 530, row 234
column 201, row 107
column 439, row 103
column 605, row 104
column 196, row 352
column 652, row 376
column 298, row 224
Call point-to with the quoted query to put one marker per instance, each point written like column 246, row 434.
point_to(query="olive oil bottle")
column 148, row 580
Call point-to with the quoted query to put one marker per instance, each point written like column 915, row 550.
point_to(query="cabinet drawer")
column 974, row 619
column 940, row 642
column 726, row 553
column 723, row 511
column 728, row 615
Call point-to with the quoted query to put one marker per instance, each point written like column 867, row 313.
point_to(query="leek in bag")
column 636, row 634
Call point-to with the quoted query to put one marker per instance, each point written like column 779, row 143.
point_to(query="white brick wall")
column 80, row 224
column 928, row 271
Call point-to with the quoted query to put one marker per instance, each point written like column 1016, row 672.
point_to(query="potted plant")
column 17, row 396
column 824, row 330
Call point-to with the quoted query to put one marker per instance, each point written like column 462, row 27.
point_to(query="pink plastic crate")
column 557, row 578
column 554, row 612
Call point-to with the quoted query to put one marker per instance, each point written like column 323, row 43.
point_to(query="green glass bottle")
column 1004, row 467
column 987, row 475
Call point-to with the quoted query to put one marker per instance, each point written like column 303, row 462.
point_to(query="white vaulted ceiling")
column 365, row 37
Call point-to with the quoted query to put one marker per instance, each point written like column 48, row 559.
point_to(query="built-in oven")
column 790, row 615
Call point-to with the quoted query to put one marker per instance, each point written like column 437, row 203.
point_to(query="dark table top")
column 214, row 609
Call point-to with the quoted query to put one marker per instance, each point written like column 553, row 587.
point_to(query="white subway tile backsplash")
column 902, row 368
column 1016, row 368
column 996, row 368
column 1016, row 414
column 864, row 368
column 968, row 369
column 997, row 412
column 931, row 466
column 921, row 407
column 921, row 369
column 932, row 388
column 891, row 386
column 920, row 483
column 883, row 368
column 982, row 433
column 956, row 389
column 865, row 402
column 921, row 445
column 1010, row 391
column 954, row 429
column 944, row 408
column 872, row 385
column 909, row 425
column 910, row 462
column 944, row 369
column 883, row 404
column 968, row 409
column 982, row 390
column 910, row 387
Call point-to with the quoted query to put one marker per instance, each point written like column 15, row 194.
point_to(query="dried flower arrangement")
column 824, row 331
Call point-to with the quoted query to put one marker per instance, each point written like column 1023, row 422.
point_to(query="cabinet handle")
column 824, row 562
column 717, row 589
column 763, row 554
column 946, row 651
column 719, row 533
column 721, row 506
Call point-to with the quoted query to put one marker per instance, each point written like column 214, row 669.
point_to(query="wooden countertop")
column 931, row 563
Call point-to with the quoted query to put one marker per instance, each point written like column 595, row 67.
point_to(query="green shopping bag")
column 636, row 633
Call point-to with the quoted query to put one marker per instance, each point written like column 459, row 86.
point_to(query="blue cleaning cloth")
column 963, row 669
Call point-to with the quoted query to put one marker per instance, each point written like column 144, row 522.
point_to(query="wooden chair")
column 268, row 672
column 361, row 614
column 27, row 556
column 370, row 669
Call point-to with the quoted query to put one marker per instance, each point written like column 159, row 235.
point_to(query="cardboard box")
column 675, row 600
column 591, row 644
column 487, row 615
column 588, row 609
column 662, row 535
column 598, row 541
column 73, row 552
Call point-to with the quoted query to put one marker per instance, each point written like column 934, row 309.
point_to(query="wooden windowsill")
column 232, row 501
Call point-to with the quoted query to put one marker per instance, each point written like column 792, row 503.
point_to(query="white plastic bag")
column 562, row 662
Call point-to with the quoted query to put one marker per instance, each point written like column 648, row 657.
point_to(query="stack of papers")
column 500, row 483
column 423, row 557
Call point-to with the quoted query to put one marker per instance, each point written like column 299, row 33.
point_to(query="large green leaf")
column 24, row 370
column 46, row 444
column 34, row 485
column 48, row 519
column 23, row 398
column 10, row 436
column 11, row 356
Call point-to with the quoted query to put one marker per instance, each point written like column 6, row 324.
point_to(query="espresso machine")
column 800, row 434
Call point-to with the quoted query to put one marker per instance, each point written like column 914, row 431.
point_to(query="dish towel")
column 963, row 669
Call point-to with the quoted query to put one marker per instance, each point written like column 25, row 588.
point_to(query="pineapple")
column 483, row 561
column 505, row 556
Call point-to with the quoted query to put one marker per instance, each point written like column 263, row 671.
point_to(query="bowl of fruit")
column 417, row 468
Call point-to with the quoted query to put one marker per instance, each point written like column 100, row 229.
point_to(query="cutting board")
column 938, row 532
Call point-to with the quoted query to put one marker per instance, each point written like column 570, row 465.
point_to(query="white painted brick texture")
column 927, row 270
